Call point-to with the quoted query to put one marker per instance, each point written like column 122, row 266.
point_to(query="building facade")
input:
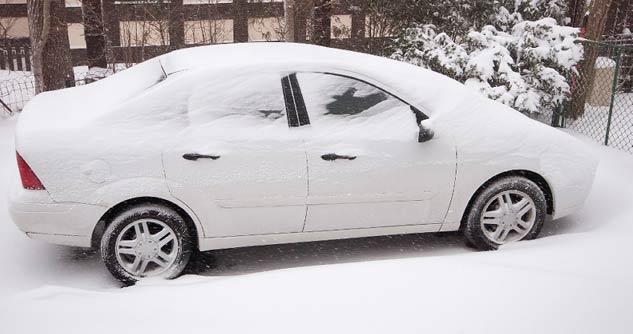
column 140, row 29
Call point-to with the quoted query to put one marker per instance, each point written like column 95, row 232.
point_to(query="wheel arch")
column 532, row 176
column 112, row 212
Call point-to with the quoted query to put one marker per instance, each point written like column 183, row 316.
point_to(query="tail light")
column 29, row 179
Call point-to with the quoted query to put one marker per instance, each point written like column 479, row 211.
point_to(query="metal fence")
column 16, row 89
column 601, row 103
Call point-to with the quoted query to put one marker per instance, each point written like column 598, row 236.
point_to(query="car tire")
column 510, row 209
column 146, row 240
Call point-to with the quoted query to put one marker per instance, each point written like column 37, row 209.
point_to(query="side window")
column 333, row 101
column 333, row 95
column 252, row 97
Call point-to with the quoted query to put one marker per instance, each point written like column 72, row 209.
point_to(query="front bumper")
column 37, row 215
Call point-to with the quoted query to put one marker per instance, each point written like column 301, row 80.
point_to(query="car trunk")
column 59, row 133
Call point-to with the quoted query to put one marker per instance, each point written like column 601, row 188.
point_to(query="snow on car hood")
column 488, row 132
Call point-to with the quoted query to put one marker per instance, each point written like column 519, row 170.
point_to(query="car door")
column 366, row 166
column 238, row 164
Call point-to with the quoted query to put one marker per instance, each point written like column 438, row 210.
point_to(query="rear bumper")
column 37, row 215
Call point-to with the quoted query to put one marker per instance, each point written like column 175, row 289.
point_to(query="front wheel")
column 146, row 240
column 508, row 210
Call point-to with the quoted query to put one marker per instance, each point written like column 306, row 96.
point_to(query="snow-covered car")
column 254, row 144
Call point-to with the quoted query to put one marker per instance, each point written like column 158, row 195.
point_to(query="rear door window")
column 253, row 97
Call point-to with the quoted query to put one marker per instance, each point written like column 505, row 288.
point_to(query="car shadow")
column 247, row 260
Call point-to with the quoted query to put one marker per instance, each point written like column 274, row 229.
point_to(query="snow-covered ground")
column 577, row 278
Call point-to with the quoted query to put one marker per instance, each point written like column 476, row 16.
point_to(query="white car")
column 254, row 144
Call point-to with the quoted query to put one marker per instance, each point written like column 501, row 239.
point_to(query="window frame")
column 296, row 111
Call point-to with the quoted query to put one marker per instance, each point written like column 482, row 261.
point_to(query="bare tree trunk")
column 52, row 64
column 289, row 16
column 39, row 26
column 94, row 33
column 598, row 12
column 358, row 31
column 321, row 22
column 577, row 12
column 176, row 25
column 240, row 21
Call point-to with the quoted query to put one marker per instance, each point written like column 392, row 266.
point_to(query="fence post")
column 558, row 117
column 614, row 87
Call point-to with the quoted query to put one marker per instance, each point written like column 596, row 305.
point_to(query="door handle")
column 196, row 156
column 334, row 156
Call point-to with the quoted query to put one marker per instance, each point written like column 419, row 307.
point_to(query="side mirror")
column 426, row 133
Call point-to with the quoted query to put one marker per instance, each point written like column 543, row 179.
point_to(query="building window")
column 340, row 26
column 76, row 36
column 265, row 29
column 208, row 31
column 204, row 2
column 378, row 26
column 14, row 27
column 144, row 33
column 73, row 3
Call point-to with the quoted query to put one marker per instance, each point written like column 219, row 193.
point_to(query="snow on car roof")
column 431, row 92
column 263, row 53
column 424, row 88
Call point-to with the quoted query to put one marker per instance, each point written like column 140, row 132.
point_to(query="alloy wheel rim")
column 509, row 216
column 146, row 247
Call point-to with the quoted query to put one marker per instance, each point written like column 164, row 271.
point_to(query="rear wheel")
column 146, row 240
column 510, row 209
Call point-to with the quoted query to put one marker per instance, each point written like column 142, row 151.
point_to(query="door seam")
column 450, row 202
column 305, row 217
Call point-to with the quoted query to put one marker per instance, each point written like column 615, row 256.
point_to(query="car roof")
column 263, row 53
column 425, row 89
column 431, row 92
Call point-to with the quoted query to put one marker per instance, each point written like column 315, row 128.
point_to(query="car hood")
column 488, row 132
